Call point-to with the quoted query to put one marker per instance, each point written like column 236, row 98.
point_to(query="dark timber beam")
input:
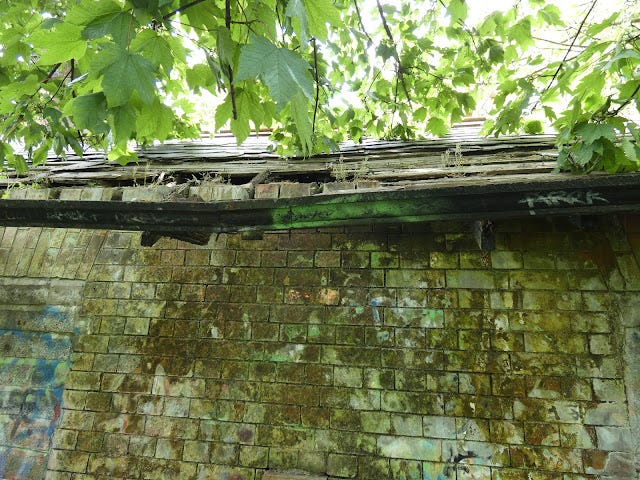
column 592, row 195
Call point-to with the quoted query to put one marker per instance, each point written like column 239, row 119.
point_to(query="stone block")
column 615, row 438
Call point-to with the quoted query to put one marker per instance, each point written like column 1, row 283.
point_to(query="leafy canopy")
column 104, row 73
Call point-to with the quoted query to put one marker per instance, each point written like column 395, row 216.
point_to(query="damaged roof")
column 212, row 185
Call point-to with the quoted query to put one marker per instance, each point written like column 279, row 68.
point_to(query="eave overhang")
column 459, row 199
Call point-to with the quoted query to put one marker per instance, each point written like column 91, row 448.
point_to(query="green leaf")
column 129, row 73
column 122, row 155
column 87, row 11
column 320, row 13
column 89, row 112
column 224, row 113
column 457, row 10
column 155, row 121
column 227, row 47
column 300, row 115
column 284, row 72
column 437, row 126
column 631, row 150
column 60, row 44
column 120, row 25
column 153, row 47
column 123, row 123
column 297, row 11
column 590, row 132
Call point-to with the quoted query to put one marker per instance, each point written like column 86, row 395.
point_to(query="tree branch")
column 364, row 30
column 232, row 90
column 315, row 71
column 566, row 55
column 627, row 101
column 395, row 51
column 182, row 8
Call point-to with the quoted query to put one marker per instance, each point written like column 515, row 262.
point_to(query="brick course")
column 343, row 353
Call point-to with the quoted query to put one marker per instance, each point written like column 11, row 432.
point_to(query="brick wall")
column 398, row 354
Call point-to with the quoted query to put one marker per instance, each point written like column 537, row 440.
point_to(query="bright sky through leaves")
column 109, row 74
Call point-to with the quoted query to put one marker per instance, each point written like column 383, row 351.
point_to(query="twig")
column 566, row 55
column 364, row 30
column 395, row 51
column 627, row 101
column 51, row 74
column 181, row 9
column 232, row 90
column 315, row 71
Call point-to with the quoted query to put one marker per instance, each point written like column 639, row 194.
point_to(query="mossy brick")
column 379, row 378
column 254, row 456
column 342, row 466
column 160, row 469
column 508, row 385
column 596, row 321
column 547, row 321
column 315, row 417
column 341, row 419
column 74, row 399
column 409, row 448
column 475, row 279
column 317, row 333
column 601, row 344
column 300, row 259
column 411, row 380
column 76, row 419
column 98, row 401
column 283, row 459
column 283, row 393
column 537, row 433
column 77, row 380
column 355, row 259
column 284, row 437
column 414, row 317
column 608, row 390
column 64, row 439
column 290, row 373
column 384, row 260
column 412, row 403
column 301, row 277
column 548, row 458
column 372, row 422
column 82, row 361
column 304, row 241
column 169, row 449
column 319, row 374
column 360, row 242
column 89, row 441
column 349, row 335
column 539, row 280
column 353, row 277
column 68, row 460
column 415, row 278
column 474, row 339
column 222, row 258
column 353, row 356
column 177, row 428
column 297, row 313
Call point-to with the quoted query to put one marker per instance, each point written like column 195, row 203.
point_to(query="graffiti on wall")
column 33, row 368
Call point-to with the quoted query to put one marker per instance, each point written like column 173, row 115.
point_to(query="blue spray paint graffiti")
column 32, row 375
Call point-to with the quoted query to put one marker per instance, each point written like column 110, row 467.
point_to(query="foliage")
column 103, row 73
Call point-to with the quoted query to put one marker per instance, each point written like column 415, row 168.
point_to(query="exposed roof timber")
column 471, row 200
